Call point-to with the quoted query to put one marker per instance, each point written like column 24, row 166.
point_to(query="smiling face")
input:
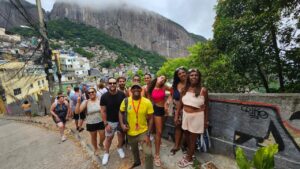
column 181, row 75
column 194, row 77
column 112, row 84
column 60, row 99
column 136, row 79
column 136, row 91
column 147, row 79
column 121, row 83
column 92, row 93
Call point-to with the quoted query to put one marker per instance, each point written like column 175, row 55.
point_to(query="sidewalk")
column 168, row 161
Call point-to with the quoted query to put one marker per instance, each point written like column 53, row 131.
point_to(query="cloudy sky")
column 196, row 16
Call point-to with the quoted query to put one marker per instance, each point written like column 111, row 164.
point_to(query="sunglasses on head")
column 180, row 68
column 193, row 70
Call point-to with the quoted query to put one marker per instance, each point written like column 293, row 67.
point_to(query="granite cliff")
column 145, row 29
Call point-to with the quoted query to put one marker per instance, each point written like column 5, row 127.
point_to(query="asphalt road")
column 25, row 146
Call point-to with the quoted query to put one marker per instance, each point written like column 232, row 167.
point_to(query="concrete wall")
column 39, row 106
column 251, row 121
column 288, row 105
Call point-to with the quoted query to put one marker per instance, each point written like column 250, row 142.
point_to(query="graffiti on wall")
column 252, row 125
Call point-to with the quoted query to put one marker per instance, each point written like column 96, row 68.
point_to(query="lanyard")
column 136, row 112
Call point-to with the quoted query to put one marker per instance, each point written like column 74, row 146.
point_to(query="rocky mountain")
column 10, row 17
column 147, row 30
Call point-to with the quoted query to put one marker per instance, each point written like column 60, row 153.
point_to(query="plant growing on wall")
column 263, row 158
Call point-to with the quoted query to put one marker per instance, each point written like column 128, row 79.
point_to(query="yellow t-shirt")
column 145, row 109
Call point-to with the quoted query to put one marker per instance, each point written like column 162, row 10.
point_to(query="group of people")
column 138, row 112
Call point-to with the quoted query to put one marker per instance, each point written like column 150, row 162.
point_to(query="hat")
column 136, row 85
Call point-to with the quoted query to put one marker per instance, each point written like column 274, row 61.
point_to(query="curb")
column 83, row 144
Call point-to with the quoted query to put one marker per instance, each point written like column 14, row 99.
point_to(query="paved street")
column 25, row 146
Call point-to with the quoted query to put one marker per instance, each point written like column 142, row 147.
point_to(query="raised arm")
column 80, row 106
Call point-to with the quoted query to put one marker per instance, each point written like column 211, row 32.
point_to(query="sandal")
column 157, row 161
column 184, row 163
column 174, row 150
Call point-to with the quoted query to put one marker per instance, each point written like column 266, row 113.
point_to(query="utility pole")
column 47, row 58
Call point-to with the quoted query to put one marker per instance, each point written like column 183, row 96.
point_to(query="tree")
column 249, row 32
column 170, row 66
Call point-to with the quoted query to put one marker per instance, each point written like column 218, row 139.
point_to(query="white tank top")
column 189, row 99
column 93, row 112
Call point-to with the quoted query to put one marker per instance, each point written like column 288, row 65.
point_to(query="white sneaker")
column 105, row 159
column 63, row 138
column 121, row 152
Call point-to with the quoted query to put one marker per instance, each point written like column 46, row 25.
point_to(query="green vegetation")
column 251, row 49
column 108, row 64
column 257, row 44
column 84, row 53
column 80, row 35
column 263, row 158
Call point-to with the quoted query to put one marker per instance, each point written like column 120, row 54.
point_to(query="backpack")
column 125, row 120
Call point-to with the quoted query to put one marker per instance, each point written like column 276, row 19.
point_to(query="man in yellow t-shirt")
column 138, row 123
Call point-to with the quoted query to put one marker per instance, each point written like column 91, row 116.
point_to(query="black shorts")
column 95, row 127
column 158, row 111
column 80, row 116
column 61, row 119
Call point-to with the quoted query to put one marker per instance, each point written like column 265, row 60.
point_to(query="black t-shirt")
column 112, row 104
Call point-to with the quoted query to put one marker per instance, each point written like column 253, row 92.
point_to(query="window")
column 39, row 83
column 17, row 91
column 31, row 85
column 43, row 82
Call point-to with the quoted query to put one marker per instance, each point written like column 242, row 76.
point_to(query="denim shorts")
column 115, row 127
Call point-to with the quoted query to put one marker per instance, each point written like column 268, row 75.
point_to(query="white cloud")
column 196, row 16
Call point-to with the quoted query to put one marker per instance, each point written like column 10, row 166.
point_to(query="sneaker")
column 105, row 159
column 121, row 152
column 63, row 138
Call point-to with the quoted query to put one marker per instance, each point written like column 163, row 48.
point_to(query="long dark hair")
column 176, row 79
column 152, row 86
column 188, row 83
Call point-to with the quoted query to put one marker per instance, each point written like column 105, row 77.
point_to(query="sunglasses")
column 112, row 83
column 91, row 92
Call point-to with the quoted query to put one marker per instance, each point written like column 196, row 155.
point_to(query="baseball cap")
column 136, row 85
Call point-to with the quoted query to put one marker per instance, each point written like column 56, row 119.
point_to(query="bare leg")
column 158, row 133
column 94, row 140
column 191, row 145
column 120, row 139
column 108, row 141
column 101, row 137
column 178, row 136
